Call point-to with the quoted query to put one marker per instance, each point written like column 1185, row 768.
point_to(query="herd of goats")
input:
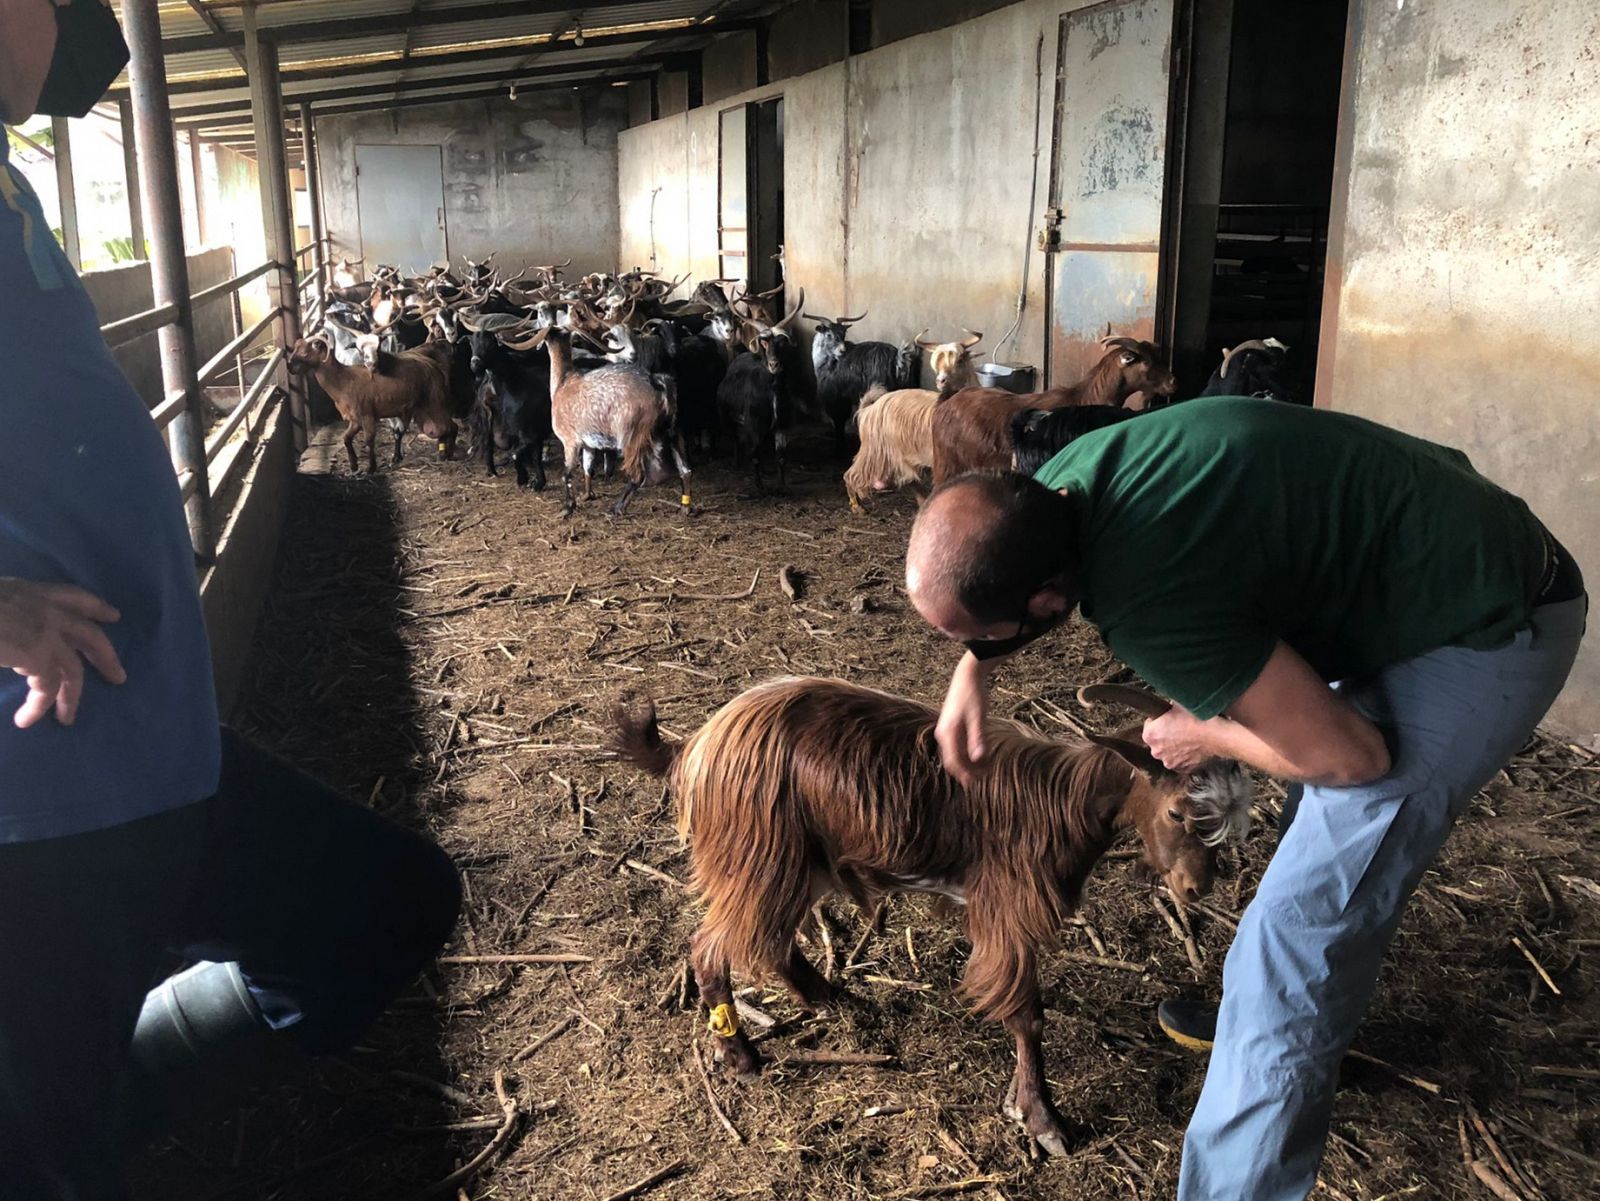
column 801, row 785
column 627, row 379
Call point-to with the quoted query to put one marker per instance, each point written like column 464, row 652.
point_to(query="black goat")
column 754, row 404
column 1255, row 368
column 512, row 412
column 1037, row 434
column 846, row 370
column 699, row 364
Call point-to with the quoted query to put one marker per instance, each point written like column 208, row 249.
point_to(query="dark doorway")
column 1262, row 105
column 766, row 193
column 751, row 193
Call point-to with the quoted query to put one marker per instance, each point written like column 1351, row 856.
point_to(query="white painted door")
column 400, row 198
column 1104, row 224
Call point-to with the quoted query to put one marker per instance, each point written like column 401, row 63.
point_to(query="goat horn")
column 1227, row 355
column 1120, row 343
column 971, row 339
column 853, row 320
column 783, row 325
column 1141, row 699
column 921, row 345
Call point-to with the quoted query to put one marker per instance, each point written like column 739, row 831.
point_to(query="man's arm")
column 1288, row 723
column 959, row 731
column 27, row 42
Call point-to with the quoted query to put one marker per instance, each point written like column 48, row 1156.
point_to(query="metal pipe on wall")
column 66, row 190
column 266, row 106
column 169, row 270
column 308, row 143
column 130, row 174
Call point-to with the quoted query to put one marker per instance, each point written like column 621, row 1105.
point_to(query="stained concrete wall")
column 120, row 292
column 532, row 180
column 1464, row 269
column 729, row 67
column 808, row 35
column 906, row 180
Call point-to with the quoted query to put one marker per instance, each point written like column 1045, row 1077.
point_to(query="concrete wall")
column 729, row 67
column 807, row 35
column 1464, row 270
column 532, row 180
column 906, row 175
column 234, row 588
column 120, row 292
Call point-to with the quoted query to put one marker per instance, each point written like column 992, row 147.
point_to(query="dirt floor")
column 445, row 648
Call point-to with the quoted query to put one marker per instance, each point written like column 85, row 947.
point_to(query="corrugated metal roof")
column 520, row 34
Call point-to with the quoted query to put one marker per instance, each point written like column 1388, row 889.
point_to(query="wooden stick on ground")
column 546, row 959
column 549, row 1036
column 1189, row 947
column 1122, row 965
column 711, row 1095
column 650, row 1181
column 1415, row 1081
column 1537, row 966
column 839, row 1058
column 513, row 1114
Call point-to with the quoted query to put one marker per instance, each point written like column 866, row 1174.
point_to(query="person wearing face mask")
column 1331, row 602
column 134, row 830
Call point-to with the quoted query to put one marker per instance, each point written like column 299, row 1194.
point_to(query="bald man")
column 1330, row 601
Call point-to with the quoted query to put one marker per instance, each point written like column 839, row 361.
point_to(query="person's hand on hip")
column 47, row 632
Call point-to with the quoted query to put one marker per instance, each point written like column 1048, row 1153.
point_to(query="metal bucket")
column 1013, row 377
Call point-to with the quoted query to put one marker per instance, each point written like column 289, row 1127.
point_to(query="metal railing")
column 192, row 475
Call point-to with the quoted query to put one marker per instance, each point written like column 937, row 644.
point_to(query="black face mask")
column 1028, row 629
column 89, row 54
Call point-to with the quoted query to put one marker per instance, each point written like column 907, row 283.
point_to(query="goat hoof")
column 1043, row 1125
column 738, row 1058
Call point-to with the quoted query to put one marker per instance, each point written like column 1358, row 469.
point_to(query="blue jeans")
column 1305, row 961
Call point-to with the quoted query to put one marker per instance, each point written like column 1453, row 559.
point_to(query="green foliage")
column 119, row 250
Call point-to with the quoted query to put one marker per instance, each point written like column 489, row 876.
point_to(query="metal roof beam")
column 221, row 128
column 340, row 70
column 502, row 76
column 356, row 27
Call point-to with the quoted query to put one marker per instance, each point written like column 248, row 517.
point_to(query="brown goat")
column 802, row 787
column 972, row 429
column 617, row 407
column 896, row 430
column 408, row 385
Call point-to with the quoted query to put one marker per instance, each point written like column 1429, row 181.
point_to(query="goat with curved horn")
column 971, row 339
column 1140, row 699
column 1122, row 343
column 922, row 342
column 783, row 325
column 1227, row 354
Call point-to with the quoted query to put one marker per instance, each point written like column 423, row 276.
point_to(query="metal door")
column 1103, row 228
column 733, row 209
column 400, row 202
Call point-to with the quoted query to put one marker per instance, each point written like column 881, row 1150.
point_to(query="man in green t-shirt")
column 1242, row 556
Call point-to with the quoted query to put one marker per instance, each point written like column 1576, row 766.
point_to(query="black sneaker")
column 1190, row 1024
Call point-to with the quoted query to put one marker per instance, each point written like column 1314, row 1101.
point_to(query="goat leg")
column 535, row 454
column 809, row 987
column 628, row 489
column 572, row 460
column 350, row 445
column 519, row 460
column 736, row 1053
column 1028, row 1101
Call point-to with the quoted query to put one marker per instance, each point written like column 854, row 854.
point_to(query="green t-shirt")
column 1212, row 529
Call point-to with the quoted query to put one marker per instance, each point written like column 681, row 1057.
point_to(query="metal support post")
column 61, row 136
column 308, row 142
column 169, row 271
column 266, row 107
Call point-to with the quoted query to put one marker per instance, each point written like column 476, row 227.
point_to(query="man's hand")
column 46, row 633
column 961, row 721
column 1180, row 740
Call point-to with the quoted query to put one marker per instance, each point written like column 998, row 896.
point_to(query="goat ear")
column 1135, row 754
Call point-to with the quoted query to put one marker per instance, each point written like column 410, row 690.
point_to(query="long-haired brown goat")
column 972, row 429
column 802, row 787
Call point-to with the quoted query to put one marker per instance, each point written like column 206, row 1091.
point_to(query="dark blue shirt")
column 88, row 497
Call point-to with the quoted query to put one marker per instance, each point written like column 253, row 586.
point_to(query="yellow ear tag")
column 683, row 500
column 722, row 1023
